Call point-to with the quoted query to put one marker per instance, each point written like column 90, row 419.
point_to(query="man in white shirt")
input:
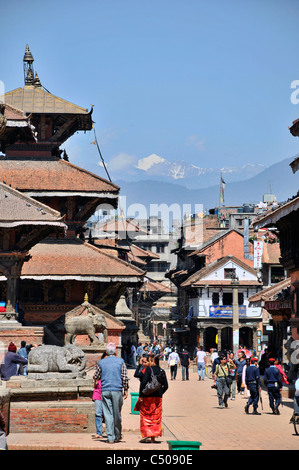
column 173, row 362
column 201, row 362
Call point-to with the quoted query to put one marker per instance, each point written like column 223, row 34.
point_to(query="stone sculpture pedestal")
column 51, row 405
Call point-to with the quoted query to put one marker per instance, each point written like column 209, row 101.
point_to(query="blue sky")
column 200, row 81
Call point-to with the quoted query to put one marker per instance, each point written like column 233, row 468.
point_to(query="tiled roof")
column 14, row 114
column 138, row 255
column 14, row 124
column 196, row 278
column 18, row 209
column 154, row 286
column 213, row 240
column 121, row 225
column 86, row 309
column 272, row 217
column 52, row 175
column 75, row 259
column 268, row 293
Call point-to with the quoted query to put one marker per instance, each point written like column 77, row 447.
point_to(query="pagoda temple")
column 61, row 268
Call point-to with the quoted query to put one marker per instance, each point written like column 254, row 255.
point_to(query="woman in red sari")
column 150, row 406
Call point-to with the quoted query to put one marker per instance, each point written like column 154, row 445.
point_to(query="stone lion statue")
column 86, row 325
column 46, row 359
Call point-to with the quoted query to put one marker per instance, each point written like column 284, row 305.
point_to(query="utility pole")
column 235, row 285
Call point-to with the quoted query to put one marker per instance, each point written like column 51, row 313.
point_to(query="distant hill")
column 279, row 177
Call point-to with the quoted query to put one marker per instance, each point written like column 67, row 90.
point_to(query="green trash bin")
column 184, row 445
column 134, row 399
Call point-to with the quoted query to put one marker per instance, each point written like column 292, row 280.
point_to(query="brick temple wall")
column 44, row 417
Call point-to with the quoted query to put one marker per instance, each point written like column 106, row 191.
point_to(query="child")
column 96, row 397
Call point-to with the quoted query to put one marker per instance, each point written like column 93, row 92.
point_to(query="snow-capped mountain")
column 159, row 168
column 150, row 191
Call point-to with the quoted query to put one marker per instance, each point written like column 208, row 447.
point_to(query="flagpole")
column 221, row 195
column 96, row 141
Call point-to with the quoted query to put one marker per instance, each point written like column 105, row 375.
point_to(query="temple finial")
column 37, row 82
column 86, row 297
column 28, row 67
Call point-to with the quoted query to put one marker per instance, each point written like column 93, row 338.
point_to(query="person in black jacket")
column 253, row 382
column 273, row 382
column 150, row 406
column 185, row 362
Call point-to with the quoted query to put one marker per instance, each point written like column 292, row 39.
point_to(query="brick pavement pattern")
column 190, row 412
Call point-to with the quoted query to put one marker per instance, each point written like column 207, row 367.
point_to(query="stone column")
column 11, row 297
column 10, row 267
column 219, row 346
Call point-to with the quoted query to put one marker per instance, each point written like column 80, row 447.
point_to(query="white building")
column 210, row 300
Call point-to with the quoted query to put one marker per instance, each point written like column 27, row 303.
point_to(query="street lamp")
column 235, row 284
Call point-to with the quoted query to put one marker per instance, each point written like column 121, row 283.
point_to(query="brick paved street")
column 190, row 412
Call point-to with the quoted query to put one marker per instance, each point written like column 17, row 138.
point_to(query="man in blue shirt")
column 240, row 363
column 253, row 382
column 112, row 372
column 273, row 382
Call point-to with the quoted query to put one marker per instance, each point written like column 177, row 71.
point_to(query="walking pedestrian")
column 201, row 358
column 232, row 374
column 98, row 406
column 133, row 355
column 139, row 352
column 173, row 362
column 220, row 380
column 112, row 372
column 284, row 377
column 185, row 363
column 253, row 382
column 150, row 406
column 240, row 363
column 273, row 382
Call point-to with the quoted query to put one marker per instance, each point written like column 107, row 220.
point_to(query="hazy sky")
column 208, row 82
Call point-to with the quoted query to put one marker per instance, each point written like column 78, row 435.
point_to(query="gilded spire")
column 28, row 67
column 29, row 77
column 37, row 82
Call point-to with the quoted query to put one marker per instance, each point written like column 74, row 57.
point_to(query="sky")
column 204, row 82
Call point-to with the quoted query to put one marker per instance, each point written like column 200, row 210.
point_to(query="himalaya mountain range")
column 158, row 181
column 191, row 176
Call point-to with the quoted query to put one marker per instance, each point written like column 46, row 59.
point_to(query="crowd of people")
column 231, row 373
column 245, row 372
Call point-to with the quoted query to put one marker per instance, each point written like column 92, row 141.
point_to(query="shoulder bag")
column 228, row 379
column 153, row 385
